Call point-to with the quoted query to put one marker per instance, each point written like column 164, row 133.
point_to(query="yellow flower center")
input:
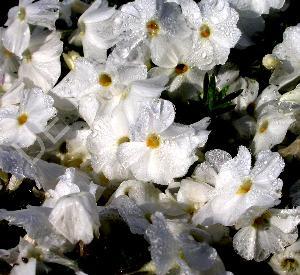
column 123, row 140
column 181, row 69
column 289, row 264
column 263, row 127
column 22, row 119
column 103, row 180
column 205, row 31
column 7, row 53
column 153, row 141
column 21, row 14
column 245, row 187
column 105, row 80
column 81, row 27
column 27, row 56
column 152, row 28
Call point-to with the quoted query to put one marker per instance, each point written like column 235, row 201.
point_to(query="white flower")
column 97, row 88
column 273, row 121
column 42, row 13
column 238, row 187
column 71, row 182
column 214, row 31
column 176, row 65
column 13, row 95
column 288, row 261
column 286, row 55
column 159, row 149
column 154, row 22
column 271, row 129
column 41, row 60
column 264, row 232
column 96, row 30
column 180, row 247
column 250, row 89
column 20, row 124
column 25, row 268
column 292, row 96
column 194, row 192
column 257, row 6
column 9, row 62
column 77, row 154
column 7, row 80
column 75, row 217
column 108, row 133
column 149, row 198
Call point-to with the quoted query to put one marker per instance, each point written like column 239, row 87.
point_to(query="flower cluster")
column 93, row 107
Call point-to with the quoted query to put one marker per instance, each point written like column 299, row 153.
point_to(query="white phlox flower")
column 41, row 60
column 194, row 192
column 20, row 124
column 149, row 198
column 288, row 261
column 159, row 149
column 181, row 248
column 12, row 95
column 264, row 232
column 250, row 20
column 250, row 89
column 77, row 154
column 273, row 121
column 25, row 268
column 28, row 250
column 99, row 89
column 257, row 6
column 270, row 123
column 8, row 60
column 75, row 217
column 41, row 13
column 214, row 31
column 286, row 57
column 108, row 133
column 71, row 182
column 97, row 30
column 238, row 187
column 154, row 22
column 176, row 65
column 7, row 80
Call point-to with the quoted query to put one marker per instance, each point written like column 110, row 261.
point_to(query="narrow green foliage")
column 217, row 101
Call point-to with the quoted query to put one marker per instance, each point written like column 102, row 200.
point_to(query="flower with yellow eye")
column 287, row 261
column 156, row 23
column 41, row 60
column 97, row 31
column 159, row 149
column 286, row 58
column 41, row 13
column 238, row 188
column 266, row 231
column 109, row 132
column 214, row 31
column 20, row 124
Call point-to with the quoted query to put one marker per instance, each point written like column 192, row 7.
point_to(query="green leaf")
column 232, row 96
column 205, row 88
